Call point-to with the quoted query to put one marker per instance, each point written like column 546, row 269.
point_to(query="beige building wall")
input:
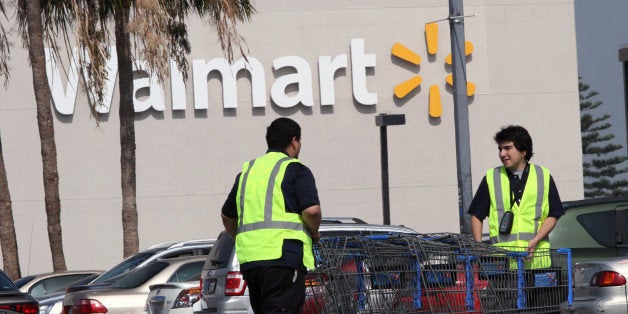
column 523, row 64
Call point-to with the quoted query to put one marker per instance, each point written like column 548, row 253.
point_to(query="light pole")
column 382, row 121
column 461, row 112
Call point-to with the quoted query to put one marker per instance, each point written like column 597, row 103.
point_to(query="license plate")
column 156, row 304
column 211, row 288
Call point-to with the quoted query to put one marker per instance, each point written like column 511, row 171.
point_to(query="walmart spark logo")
column 402, row 52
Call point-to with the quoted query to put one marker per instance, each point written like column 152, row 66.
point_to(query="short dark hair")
column 519, row 136
column 280, row 133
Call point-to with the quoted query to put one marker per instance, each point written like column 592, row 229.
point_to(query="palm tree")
column 30, row 15
column 8, row 242
column 153, row 30
column 4, row 47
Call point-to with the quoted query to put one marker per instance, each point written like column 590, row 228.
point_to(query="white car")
column 599, row 287
column 128, row 294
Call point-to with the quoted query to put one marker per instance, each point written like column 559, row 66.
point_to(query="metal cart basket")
column 433, row 273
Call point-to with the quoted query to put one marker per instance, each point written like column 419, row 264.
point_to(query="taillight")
column 87, row 306
column 235, row 284
column 26, row 308
column 315, row 281
column 200, row 287
column 607, row 279
column 187, row 297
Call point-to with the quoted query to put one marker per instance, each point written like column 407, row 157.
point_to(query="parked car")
column 223, row 288
column 599, row 287
column 128, row 294
column 45, row 284
column 12, row 300
column 53, row 303
column 160, row 251
column 593, row 228
column 163, row 250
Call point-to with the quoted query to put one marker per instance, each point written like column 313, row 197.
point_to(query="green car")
column 593, row 228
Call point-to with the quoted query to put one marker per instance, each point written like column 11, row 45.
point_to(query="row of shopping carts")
column 434, row 273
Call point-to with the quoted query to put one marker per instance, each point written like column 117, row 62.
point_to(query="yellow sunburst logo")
column 435, row 107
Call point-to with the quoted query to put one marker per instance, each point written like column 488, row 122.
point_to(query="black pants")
column 275, row 289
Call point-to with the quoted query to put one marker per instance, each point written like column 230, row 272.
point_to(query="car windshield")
column 6, row 284
column 140, row 276
column 22, row 281
column 124, row 266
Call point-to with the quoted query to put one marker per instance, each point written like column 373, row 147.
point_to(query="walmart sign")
column 64, row 95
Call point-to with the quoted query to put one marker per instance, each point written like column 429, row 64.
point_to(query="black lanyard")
column 519, row 187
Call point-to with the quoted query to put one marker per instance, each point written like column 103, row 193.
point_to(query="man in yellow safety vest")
column 522, row 205
column 274, row 213
column 520, row 199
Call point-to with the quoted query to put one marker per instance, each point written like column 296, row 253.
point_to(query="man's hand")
column 231, row 225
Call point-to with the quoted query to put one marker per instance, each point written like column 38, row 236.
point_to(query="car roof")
column 174, row 244
column 595, row 201
column 342, row 220
column 62, row 273
column 365, row 227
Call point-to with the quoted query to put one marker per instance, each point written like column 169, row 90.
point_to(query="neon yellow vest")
column 263, row 222
column 529, row 215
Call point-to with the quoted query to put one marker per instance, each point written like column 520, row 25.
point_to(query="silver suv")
column 223, row 289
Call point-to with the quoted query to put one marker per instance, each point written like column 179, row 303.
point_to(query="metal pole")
column 461, row 112
column 623, row 58
column 383, row 137
column 382, row 121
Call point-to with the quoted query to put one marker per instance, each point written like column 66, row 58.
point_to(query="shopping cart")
column 432, row 273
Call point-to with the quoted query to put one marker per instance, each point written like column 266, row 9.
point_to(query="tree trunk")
column 8, row 242
column 127, row 131
column 46, row 133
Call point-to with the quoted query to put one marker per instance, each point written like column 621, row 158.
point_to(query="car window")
column 221, row 252
column 187, row 252
column 6, row 284
column 187, row 272
column 22, row 281
column 37, row 290
column 54, row 284
column 600, row 225
column 139, row 276
column 124, row 266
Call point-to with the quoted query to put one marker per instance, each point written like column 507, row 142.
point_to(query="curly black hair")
column 519, row 136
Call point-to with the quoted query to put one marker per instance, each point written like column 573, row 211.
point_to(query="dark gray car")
column 12, row 300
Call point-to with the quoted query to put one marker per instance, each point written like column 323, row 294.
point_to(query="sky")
column 601, row 30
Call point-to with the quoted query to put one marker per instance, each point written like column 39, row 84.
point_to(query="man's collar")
column 525, row 170
column 277, row 150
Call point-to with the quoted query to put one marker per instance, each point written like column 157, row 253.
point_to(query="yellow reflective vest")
column 529, row 214
column 263, row 223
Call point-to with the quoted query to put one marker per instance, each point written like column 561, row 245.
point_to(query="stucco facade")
column 523, row 64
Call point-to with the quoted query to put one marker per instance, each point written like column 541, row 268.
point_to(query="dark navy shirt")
column 299, row 192
column 481, row 203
